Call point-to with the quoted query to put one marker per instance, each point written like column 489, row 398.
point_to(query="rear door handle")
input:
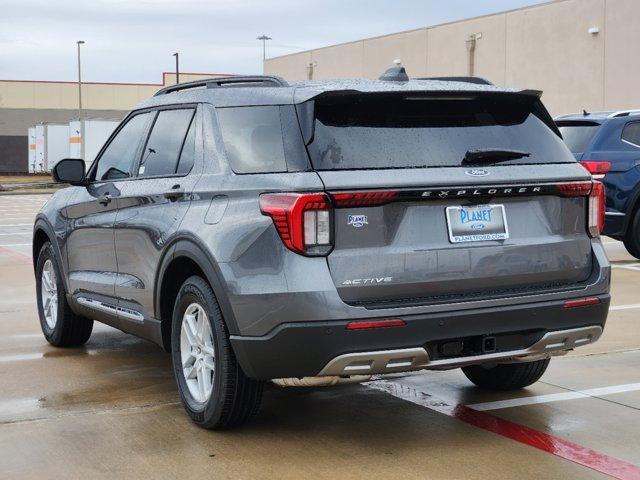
column 175, row 193
column 104, row 199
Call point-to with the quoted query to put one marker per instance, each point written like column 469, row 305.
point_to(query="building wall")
column 545, row 47
column 24, row 104
column 13, row 153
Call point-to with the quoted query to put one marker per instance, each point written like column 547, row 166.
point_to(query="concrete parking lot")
column 111, row 409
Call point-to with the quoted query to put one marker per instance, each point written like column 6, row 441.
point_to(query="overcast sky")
column 133, row 40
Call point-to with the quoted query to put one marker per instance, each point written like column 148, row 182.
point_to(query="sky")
column 133, row 41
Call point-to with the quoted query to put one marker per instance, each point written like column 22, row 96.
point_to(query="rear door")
column 151, row 207
column 414, row 224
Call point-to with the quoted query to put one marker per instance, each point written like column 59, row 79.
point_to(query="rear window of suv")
column 578, row 135
column 405, row 130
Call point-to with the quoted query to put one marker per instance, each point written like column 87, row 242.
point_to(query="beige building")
column 581, row 53
column 24, row 104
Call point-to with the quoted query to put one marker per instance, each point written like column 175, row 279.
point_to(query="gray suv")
column 259, row 230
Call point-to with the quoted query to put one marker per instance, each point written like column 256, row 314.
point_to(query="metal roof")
column 301, row 91
column 604, row 115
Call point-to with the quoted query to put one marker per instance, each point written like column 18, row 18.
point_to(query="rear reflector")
column 596, row 167
column 581, row 302
column 369, row 324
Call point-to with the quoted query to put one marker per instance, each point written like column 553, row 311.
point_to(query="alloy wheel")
column 49, row 294
column 197, row 352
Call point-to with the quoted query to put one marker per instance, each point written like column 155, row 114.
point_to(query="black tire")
column 235, row 398
column 509, row 376
column 70, row 330
column 632, row 238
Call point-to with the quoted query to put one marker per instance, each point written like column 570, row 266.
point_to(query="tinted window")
column 120, row 155
column 188, row 154
column 631, row 133
column 393, row 130
column 578, row 135
column 160, row 156
column 253, row 139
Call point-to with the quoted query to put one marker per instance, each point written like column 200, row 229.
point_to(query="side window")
column 631, row 133
column 162, row 152
column 253, row 139
column 188, row 154
column 120, row 155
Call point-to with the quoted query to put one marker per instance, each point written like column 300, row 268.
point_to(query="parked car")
column 608, row 144
column 260, row 230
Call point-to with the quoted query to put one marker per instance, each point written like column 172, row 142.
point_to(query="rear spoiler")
column 305, row 114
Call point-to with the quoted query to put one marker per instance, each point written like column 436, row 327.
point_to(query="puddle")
column 12, row 410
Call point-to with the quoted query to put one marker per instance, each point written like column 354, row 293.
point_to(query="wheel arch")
column 633, row 207
column 43, row 232
column 184, row 258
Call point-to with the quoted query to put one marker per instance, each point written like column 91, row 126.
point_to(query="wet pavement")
column 111, row 409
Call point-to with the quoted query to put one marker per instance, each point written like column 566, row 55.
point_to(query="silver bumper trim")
column 406, row 359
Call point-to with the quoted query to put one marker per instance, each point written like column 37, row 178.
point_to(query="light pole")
column 264, row 39
column 177, row 55
column 79, row 42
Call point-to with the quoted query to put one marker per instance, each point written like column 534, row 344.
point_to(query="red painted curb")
column 542, row 441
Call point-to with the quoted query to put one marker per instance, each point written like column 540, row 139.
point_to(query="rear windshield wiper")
column 491, row 155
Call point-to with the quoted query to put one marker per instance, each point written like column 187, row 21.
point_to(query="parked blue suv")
column 608, row 145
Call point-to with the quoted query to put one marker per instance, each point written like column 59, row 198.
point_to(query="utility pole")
column 177, row 55
column 264, row 39
column 79, row 42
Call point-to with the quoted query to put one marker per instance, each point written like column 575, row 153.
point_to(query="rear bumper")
column 327, row 348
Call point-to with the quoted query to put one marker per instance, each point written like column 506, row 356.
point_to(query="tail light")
column 596, row 167
column 303, row 220
column 363, row 198
column 575, row 189
column 596, row 209
column 595, row 191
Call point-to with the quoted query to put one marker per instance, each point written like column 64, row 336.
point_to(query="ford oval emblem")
column 477, row 172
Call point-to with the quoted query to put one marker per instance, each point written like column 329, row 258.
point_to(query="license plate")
column 477, row 223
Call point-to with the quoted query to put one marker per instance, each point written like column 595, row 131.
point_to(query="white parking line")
column 625, row 307
column 555, row 397
column 20, row 357
column 630, row 266
column 17, row 225
column 14, row 244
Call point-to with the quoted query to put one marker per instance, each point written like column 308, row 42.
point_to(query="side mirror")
column 69, row 170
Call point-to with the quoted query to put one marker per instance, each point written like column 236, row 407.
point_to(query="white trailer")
column 56, row 143
column 32, row 150
column 87, row 137
column 39, row 165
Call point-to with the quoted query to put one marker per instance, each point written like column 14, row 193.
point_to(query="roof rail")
column 235, row 81
column 475, row 80
column 623, row 113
